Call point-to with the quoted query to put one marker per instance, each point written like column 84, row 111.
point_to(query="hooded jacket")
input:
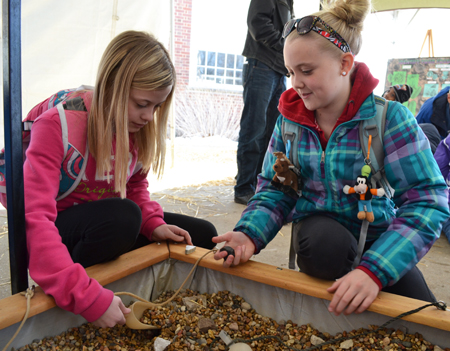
column 412, row 220
column 50, row 264
column 265, row 22
column 436, row 111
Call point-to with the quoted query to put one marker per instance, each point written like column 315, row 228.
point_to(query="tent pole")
column 172, row 106
column 12, row 109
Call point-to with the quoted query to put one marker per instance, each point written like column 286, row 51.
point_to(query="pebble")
column 315, row 340
column 234, row 326
column 185, row 327
column 246, row 306
column 347, row 344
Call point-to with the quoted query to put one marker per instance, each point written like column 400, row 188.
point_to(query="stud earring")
column 344, row 73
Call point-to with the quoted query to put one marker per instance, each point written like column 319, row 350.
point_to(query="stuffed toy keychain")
column 286, row 175
column 365, row 192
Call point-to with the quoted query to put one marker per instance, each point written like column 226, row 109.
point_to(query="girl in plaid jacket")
column 331, row 93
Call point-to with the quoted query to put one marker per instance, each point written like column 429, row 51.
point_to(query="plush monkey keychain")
column 364, row 191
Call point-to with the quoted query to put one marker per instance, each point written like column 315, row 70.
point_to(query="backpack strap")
column 375, row 127
column 76, row 104
column 64, row 131
column 290, row 133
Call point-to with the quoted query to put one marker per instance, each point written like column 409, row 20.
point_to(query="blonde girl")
column 331, row 95
column 115, row 134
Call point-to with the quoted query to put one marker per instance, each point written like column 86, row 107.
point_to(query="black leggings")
column 102, row 230
column 326, row 249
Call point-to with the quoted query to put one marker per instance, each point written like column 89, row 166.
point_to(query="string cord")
column 29, row 293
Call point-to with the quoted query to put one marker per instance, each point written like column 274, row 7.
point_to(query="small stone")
column 437, row 348
column 407, row 344
column 347, row 344
column 315, row 340
column 386, row 341
column 234, row 326
column 160, row 344
column 246, row 306
column 204, row 324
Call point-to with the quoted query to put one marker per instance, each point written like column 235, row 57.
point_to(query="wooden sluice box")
column 280, row 294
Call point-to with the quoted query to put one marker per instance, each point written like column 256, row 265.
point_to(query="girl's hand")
column 113, row 315
column 171, row 232
column 243, row 248
column 354, row 292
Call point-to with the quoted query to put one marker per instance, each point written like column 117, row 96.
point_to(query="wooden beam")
column 386, row 304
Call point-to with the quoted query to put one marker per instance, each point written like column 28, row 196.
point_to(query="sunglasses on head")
column 307, row 24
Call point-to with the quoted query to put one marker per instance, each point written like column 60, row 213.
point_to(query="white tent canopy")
column 390, row 5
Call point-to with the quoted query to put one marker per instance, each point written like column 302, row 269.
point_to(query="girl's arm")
column 50, row 264
column 267, row 211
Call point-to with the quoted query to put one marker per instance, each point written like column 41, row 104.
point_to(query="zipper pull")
column 322, row 164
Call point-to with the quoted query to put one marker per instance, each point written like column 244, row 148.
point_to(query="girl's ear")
column 347, row 61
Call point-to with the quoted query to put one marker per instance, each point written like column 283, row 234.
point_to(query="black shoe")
column 243, row 200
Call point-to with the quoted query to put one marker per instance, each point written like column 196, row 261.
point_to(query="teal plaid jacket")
column 405, row 227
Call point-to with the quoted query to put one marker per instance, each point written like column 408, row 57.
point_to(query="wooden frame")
column 12, row 309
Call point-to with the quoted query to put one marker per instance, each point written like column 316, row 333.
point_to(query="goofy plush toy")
column 363, row 189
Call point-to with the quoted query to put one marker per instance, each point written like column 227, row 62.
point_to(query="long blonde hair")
column 347, row 18
column 131, row 60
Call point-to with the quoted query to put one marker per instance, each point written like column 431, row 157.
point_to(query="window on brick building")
column 218, row 68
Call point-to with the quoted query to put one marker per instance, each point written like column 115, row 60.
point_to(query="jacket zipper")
column 322, row 164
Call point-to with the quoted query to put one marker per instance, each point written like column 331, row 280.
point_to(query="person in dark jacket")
column 264, row 80
column 434, row 117
column 402, row 93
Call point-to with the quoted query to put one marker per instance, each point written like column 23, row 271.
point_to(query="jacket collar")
column 292, row 107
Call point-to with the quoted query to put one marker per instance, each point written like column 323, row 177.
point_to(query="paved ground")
column 214, row 165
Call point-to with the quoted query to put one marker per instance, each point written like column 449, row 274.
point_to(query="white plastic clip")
column 190, row 249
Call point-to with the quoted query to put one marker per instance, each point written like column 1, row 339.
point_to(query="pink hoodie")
column 50, row 264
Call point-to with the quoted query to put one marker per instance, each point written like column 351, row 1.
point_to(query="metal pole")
column 172, row 107
column 12, row 100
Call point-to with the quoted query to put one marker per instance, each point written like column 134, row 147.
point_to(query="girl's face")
column 142, row 105
column 315, row 74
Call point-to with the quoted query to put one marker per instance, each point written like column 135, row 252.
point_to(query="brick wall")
column 199, row 100
column 182, row 40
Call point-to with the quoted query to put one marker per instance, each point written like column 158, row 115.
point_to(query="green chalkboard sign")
column 427, row 76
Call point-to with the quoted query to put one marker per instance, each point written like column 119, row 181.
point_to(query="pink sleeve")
column 152, row 212
column 50, row 263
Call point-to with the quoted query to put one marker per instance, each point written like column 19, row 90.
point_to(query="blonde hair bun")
column 347, row 18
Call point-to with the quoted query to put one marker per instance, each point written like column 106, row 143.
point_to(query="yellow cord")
column 29, row 293
column 179, row 289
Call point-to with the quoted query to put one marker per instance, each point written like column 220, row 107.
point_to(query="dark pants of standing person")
column 102, row 230
column 326, row 249
column 262, row 90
